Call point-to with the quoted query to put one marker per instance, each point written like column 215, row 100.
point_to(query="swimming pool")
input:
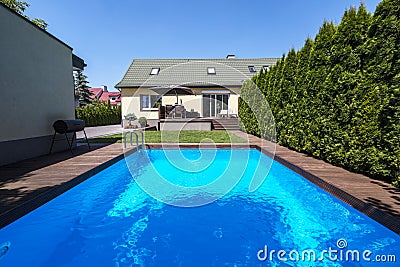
column 109, row 220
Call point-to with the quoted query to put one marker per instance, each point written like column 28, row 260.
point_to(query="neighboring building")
column 36, row 79
column 215, row 85
column 96, row 92
column 104, row 95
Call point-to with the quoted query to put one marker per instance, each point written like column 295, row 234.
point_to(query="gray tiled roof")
column 192, row 72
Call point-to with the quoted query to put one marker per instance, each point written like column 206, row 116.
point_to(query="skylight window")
column 266, row 67
column 155, row 71
column 252, row 69
column 211, row 70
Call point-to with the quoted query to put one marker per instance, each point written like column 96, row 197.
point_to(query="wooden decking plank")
column 23, row 182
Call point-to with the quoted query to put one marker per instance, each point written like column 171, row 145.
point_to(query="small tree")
column 81, row 88
column 20, row 7
column 130, row 117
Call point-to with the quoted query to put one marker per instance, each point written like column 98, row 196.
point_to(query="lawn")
column 174, row 136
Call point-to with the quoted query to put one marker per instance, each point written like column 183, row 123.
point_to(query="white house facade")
column 202, row 88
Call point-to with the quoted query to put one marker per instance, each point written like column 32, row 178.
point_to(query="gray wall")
column 36, row 86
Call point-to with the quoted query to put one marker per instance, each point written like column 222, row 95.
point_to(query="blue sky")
column 109, row 34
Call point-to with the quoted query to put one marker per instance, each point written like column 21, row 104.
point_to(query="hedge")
column 338, row 97
column 99, row 113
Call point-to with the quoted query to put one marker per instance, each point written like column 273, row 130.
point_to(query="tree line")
column 338, row 97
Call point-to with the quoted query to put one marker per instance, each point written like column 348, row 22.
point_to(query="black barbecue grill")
column 68, row 126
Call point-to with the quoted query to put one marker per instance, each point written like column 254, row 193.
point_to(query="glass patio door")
column 213, row 104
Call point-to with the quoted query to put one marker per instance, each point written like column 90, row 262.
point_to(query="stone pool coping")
column 107, row 155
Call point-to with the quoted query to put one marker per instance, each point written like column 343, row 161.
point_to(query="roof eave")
column 78, row 63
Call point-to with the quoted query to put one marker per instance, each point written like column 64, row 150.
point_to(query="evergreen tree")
column 338, row 98
column 301, row 111
column 364, row 19
column 268, row 129
column 319, row 71
column 383, row 77
column 344, row 86
column 81, row 87
column 288, row 97
column 276, row 104
column 383, row 48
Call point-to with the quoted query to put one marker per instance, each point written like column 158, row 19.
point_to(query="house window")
column 155, row 71
column 150, row 102
column 252, row 69
column 211, row 70
column 266, row 67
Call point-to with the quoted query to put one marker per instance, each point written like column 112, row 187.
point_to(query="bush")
column 143, row 121
column 99, row 113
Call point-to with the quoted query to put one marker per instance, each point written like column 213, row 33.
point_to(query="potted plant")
column 143, row 122
column 130, row 117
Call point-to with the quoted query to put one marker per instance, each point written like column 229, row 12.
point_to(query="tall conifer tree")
column 81, row 87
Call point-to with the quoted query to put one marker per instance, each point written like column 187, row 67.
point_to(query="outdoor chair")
column 162, row 114
column 223, row 113
column 168, row 111
column 233, row 114
column 179, row 112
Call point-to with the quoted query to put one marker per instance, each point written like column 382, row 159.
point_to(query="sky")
column 109, row 34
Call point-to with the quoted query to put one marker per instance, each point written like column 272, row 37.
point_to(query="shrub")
column 143, row 121
column 99, row 113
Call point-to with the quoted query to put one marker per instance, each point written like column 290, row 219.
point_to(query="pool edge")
column 23, row 209
column 381, row 217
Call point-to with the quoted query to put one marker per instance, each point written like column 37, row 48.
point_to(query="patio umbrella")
column 173, row 90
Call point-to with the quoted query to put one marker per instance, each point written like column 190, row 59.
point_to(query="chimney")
column 104, row 87
column 230, row 56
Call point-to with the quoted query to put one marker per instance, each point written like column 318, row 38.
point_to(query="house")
column 103, row 94
column 96, row 92
column 36, row 78
column 206, row 88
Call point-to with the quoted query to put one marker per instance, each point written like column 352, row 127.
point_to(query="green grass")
column 174, row 136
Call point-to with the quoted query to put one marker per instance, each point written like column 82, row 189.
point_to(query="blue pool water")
column 109, row 220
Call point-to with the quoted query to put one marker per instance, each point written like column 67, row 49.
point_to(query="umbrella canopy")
column 176, row 90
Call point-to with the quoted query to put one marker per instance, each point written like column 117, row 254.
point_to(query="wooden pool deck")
column 26, row 185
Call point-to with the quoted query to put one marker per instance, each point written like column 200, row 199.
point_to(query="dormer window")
column 155, row 71
column 266, row 68
column 252, row 69
column 211, row 70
